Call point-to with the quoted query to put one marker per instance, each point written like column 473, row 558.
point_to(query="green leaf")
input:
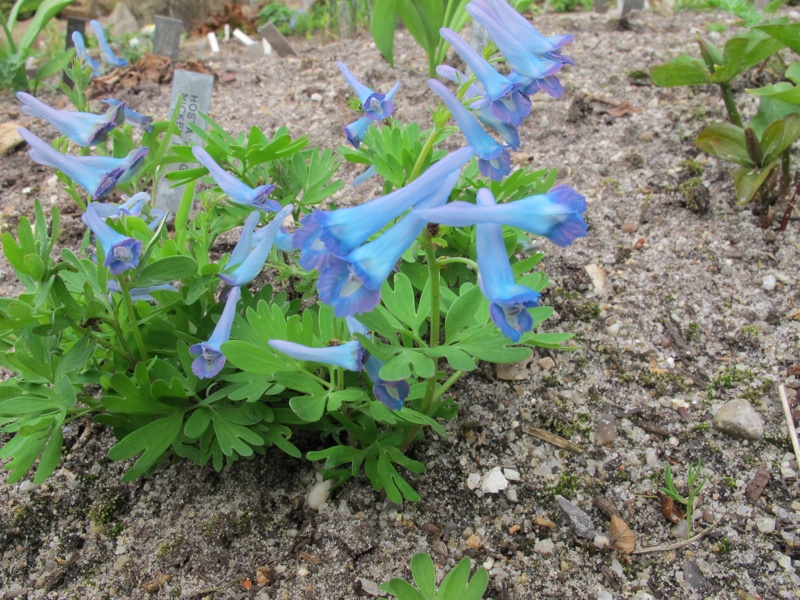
column 424, row 574
column 46, row 11
column 456, row 358
column 311, row 407
column 778, row 136
column 787, row 34
column 166, row 269
column 382, row 26
column 234, row 438
column 402, row 590
column 725, row 141
column 197, row 423
column 463, row 312
column 152, row 441
column 400, row 300
column 23, row 451
column 744, row 51
column 749, row 180
column 252, row 359
column 681, row 70
column 455, row 582
column 407, row 363
column 50, row 457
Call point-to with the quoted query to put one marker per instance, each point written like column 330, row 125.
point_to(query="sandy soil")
column 696, row 309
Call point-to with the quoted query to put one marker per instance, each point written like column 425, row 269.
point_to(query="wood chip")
column 604, row 506
column 151, row 586
column 756, row 486
column 543, row 522
column 652, row 428
column 552, row 438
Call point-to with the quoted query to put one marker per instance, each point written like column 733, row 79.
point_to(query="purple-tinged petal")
column 85, row 129
column 520, row 28
column 210, row 359
column 390, row 393
column 80, row 52
column 238, row 192
column 556, row 215
column 339, row 286
column 252, row 265
column 122, row 252
column 132, row 117
column 106, row 53
column 361, row 90
column 494, row 159
column 142, row 293
column 347, row 356
column 245, row 244
column 356, row 131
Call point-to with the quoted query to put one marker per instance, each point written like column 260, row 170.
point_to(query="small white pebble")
column 316, row 97
column 511, row 474
column 302, row 572
column 473, row 481
column 769, row 282
column 613, row 330
column 545, row 546
column 494, row 481
column 765, row 524
column 600, row 542
column 319, row 494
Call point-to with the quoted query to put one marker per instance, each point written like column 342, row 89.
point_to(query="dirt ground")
column 677, row 313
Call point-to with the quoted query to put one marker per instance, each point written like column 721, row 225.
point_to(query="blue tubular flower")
column 505, row 101
column 245, row 244
column 106, row 53
column 550, row 85
column 132, row 117
column 142, row 293
column 284, row 240
column 390, row 393
column 210, row 359
column 80, row 52
column 339, row 231
column 238, row 192
column 356, row 131
column 521, row 29
column 518, row 56
column 122, row 252
column 494, row 160
column 131, row 207
column 370, row 172
column 556, row 215
column 98, row 175
column 347, row 356
column 508, row 301
column 85, row 129
column 251, row 266
column 376, row 106
column 352, row 284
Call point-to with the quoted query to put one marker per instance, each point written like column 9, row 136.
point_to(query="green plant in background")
column 14, row 55
column 423, row 19
column 692, row 489
column 456, row 585
column 761, row 147
column 313, row 16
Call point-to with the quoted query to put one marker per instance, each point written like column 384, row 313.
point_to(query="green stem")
column 448, row 384
column 458, row 259
column 137, row 335
column 426, row 150
column 433, row 340
column 730, row 104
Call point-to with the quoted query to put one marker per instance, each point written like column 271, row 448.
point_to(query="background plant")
column 456, row 585
column 14, row 55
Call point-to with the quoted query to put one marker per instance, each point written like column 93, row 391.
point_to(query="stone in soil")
column 739, row 419
column 580, row 523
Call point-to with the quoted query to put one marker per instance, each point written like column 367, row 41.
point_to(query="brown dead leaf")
column 670, row 510
column 262, row 576
column 622, row 538
column 151, row 586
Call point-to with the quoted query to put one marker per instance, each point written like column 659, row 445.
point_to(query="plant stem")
column 137, row 335
column 426, row 149
column 458, row 259
column 433, row 339
column 730, row 104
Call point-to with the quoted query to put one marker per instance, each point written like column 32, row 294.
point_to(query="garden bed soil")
column 676, row 312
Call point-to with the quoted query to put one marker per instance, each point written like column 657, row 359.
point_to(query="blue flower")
column 352, row 283
column 356, row 131
column 80, row 52
column 368, row 173
column 130, row 207
column 347, row 356
column 502, row 96
column 98, row 175
column 106, row 53
column 505, row 130
column 252, row 264
column 508, row 301
column 523, row 60
column 556, row 215
column 244, row 246
column 326, row 234
column 390, row 393
column 376, row 106
column 122, row 252
column 142, row 293
column 494, row 160
column 523, row 31
column 85, row 129
column 210, row 359
column 132, row 117
column 237, row 191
